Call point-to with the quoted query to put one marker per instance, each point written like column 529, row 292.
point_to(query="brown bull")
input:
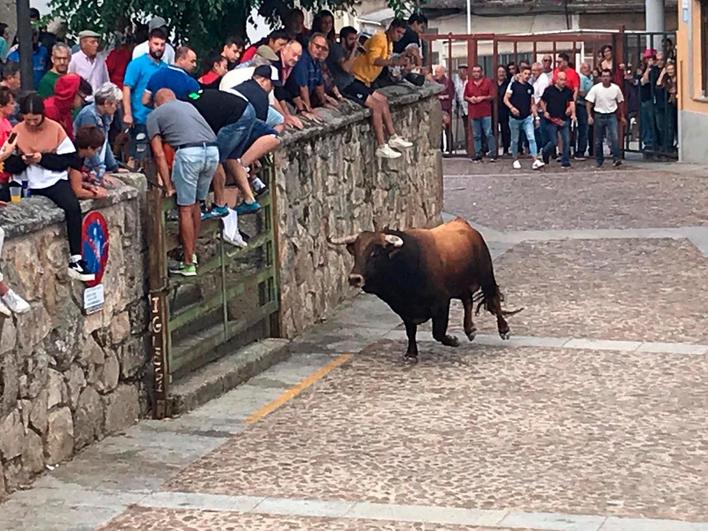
column 418, row 271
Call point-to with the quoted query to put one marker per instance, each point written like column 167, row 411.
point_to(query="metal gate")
column 651, row 109
column 493, row 50
column 232, row 302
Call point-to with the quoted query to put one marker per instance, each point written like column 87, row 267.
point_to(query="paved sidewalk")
column 592, row 418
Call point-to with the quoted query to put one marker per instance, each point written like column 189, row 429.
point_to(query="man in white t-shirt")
column 540, row 81
column 143, row 47
column 604, row 102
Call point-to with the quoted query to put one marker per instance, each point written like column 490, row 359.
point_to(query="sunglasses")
column 322, row 48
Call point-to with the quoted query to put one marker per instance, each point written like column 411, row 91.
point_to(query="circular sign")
column 94, row 245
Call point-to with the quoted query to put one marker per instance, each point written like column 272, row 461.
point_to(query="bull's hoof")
column 472, row 335
column 410, row 359
column 505, row 335
column 450, row 341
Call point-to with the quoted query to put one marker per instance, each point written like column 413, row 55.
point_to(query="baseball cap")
column 268, row 72
column 88, row 33
column 266, row 52
column 649, row 52
column 156, row 23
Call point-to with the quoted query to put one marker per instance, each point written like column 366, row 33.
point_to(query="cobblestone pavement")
column 592, row 418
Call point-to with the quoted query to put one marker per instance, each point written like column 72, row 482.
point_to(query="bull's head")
column 372, row 252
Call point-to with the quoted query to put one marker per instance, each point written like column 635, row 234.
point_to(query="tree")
column 203, row 24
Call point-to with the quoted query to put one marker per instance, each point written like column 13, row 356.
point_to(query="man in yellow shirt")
column 376, row 54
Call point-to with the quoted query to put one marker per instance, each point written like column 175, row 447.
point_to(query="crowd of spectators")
column 100, row 107
column 572, row 110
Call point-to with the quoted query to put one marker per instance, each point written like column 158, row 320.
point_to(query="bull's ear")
column 393, row 242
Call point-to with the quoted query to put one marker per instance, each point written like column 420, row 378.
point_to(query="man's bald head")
column 163, row 96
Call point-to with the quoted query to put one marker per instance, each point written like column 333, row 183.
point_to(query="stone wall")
column 329, row 183
column 67, row 379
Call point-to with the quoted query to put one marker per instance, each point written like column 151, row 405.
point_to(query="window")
column 704, row 47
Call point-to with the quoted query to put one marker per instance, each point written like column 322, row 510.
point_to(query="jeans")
column 608, row 123
column 233, row 137
column 192, row 173
column 647, row 123
column 552, row 131
column 525, row 125
column 483, row 126
column 63, row 196
column 582, row 114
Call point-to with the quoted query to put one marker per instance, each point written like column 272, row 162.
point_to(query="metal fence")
column 232, row 302
column 493, row 50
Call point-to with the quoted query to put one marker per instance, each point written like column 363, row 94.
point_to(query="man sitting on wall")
column 366, row 67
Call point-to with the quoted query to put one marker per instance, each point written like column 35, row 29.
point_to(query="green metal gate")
column 231, row 302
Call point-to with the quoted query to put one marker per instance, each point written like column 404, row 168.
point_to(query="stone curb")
column 219, row 377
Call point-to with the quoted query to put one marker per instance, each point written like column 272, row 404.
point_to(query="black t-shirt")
column 256, row 96
column 521, row 97
column 410, row 37
column 218, row 108
column 557, row 101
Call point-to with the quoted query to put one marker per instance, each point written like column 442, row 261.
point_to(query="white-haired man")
column 100, row 113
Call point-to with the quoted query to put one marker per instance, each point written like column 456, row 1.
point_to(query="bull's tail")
column 490, row 295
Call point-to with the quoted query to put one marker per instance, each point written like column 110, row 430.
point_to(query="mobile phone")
column 12, row 137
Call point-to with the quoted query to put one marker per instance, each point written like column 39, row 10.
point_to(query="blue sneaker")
column 245, row 208
column 215, row 212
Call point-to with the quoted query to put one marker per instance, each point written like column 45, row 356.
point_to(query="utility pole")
column 24, row 37
column 654, row 16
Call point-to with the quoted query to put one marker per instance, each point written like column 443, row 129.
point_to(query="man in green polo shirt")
column 61, row 55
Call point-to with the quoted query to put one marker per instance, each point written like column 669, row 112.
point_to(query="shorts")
column 258, row 130
column 358, row 92
column 234, row 136
column 139, row 146
column 192, row 173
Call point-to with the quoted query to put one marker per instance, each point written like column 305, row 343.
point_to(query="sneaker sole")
column 83, row 278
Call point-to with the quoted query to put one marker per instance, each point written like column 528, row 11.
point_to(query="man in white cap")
column 143, row 48
column 87, row 62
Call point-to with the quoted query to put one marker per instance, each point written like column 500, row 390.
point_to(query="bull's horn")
column 393, row 240
column 343, row 241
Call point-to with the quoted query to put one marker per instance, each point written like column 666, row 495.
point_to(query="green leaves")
column 203, row 24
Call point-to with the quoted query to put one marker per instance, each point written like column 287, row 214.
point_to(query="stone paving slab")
column 549, row 430
column 632, row 290
column 579, row 199
column 140, row 518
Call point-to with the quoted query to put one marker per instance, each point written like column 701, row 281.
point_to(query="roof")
column 537, row 7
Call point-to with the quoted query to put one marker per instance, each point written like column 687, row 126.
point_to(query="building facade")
column 692, row 53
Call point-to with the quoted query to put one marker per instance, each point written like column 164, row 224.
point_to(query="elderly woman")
column 42, row 155
column 100, row 113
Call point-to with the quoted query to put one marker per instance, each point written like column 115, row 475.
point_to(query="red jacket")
column 59, row 106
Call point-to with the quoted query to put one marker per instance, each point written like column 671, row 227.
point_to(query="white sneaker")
column 4, row 310
column 516, row 165
column 398, row 142
column 537, row 164
column 386, row 152
column 14, row 302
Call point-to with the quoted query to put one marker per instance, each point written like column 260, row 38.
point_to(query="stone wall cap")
column 349, row 112
column 35, row 213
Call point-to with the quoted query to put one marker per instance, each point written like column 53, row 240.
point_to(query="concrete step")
column 219, row 377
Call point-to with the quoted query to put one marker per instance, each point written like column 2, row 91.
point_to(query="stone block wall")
column 330, row 183
column 67, row 379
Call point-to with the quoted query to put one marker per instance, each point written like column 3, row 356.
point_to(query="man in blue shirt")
column 40, row 59
column 306, row 80
column 175, row 77
column 137, row 76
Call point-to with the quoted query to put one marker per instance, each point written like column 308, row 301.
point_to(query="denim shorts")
column 192, row 173
column 235, row 135
column 258, row 130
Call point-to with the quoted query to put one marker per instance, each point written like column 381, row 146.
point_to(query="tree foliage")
column 203, row 24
